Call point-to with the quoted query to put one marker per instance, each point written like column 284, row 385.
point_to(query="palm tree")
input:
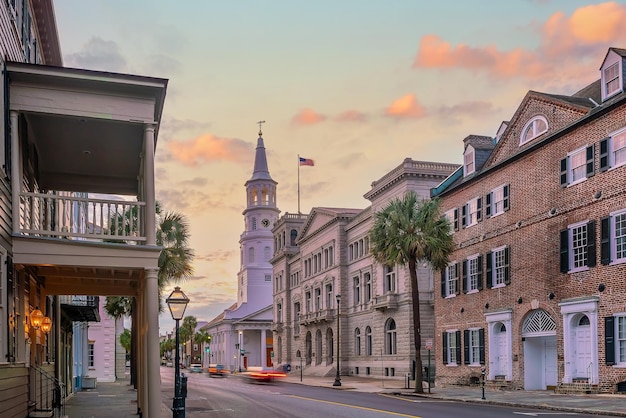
column 187, row 329
column 408, row 231
column 202, row 337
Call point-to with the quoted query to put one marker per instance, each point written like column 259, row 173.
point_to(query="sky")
column 355, row 85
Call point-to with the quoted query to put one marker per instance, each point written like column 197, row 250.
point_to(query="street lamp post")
column 337, row 381
column 177, row 302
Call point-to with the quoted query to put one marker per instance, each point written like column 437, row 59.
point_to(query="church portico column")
column 263, row 348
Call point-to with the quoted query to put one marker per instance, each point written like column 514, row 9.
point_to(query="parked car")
column 195, row 368
column 217, row 370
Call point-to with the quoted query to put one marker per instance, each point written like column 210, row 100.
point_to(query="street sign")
column 271, row 354
column 242, row 351
column 428, row 345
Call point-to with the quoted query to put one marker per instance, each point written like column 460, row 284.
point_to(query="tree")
column 125, row 340
column 408, row 231
column 187, row 329
column 202, row 337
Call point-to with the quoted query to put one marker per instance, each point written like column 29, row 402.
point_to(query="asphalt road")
column 233, row 396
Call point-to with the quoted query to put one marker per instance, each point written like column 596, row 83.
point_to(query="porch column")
column 263, row 348
column 142, row 390
column 153, row 363
column 148, row 186
column 16, row 164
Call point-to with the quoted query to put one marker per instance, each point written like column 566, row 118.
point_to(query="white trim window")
column 389, row 286
column 91, row 362
column 578, row 251
column 471, row 212
column 453, row 216
column 318, row 299
column 498, row 267
column 615, row 339
column 611, row 79
column 367, row 278
column 613, row 238
column 473, row 274
column 578, row 166
column 497, row 201
column 469, row 163
column 451, row 347
column 474, row 348
column 613, row 151
column 357, row 290
column 450, row 281
column 533, row 128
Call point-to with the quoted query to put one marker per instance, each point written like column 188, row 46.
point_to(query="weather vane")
column 260, row 123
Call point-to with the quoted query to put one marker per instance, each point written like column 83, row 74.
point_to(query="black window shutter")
column 463, row 216
column 564, row 172
column 605, row 241
column 479, row 209
column 458, row 347
column 466, row 346
column 481, row 347
column 591, row 244
column 464, row 277
column 609, row 340
column 604, row 154
column 456, row 219
column 564, row 261
column 480, row 272
column 445, row 347
column 590, row 158
column 488, row 205
column 507, row 265
column 488, row 271
column 506, row 197
column 458, row 270
column 443, row 283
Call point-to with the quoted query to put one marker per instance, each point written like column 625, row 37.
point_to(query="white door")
column 550, row 361
column 582, row 349
column 502, row 360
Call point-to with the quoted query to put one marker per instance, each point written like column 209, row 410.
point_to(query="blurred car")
column 169, row 364
column 217, row 370
column 195, row 368
column 263, row 374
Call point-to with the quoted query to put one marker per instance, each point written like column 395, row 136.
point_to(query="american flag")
column 306, row 161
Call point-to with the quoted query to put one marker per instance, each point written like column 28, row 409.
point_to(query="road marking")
column 536, row 414
column 354, row 406
column 400, row 398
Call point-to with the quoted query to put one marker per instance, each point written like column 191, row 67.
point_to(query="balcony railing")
column 78, row 217
column 81, row 300
column 386, row 301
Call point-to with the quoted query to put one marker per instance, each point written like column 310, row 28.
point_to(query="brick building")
column 535, row 289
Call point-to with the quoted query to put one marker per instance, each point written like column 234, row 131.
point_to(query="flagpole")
column 298, row 184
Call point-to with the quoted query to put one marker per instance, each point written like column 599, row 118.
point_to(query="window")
column 578, row 251
column 368, row 287
column 497, row 201
column 613, row 151
column 451, row 347
column 90, row 354
column 267, row 253
column 389, row 285
column 577, row 166
column 453, row 217
column 498, row 270
column 357, row 342
column 368, row 341
column 357, row 290
column 474, row 348
column 615, row 339
column 471, row 213
column 473, row 274
column 611, row 79
column 468, row 161
column 390, row 337
column 318, row 299
column 307, row 298
column 533, row 128
column 279, row 313
column 329, row 296
column 450, row 280
column 613, row 238
column 296, row 315
column 251, row 255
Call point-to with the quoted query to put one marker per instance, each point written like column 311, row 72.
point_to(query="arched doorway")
column 540, row 363
column 309, row 348
column 329, row 347
column 318, row 347
column 501, row 350
column 582, row 345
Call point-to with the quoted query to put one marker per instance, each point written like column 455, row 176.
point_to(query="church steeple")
column 260, row 159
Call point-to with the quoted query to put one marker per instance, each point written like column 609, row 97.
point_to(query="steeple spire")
column 261, row 171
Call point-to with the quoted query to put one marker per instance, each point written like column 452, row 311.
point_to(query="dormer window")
column 533, row 128
column 469, row 164
column 611, row 79
column 612, row 73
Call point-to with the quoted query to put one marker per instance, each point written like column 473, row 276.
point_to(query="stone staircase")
column 577, row 387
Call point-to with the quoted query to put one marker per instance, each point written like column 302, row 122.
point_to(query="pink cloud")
column 571, row 44
column 308, row 117
column 209, row 148
column 405, row 107
column 351, row 116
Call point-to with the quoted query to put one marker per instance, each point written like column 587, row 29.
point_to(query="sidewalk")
column 118, row 399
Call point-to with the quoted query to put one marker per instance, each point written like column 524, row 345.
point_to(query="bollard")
column 482, row 372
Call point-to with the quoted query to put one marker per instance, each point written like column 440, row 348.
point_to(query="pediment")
column 320, row 217
column 559, row 112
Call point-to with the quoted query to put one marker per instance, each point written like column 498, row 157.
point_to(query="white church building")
column 241, row 335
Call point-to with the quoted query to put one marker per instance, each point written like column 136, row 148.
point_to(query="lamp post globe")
column 177, row 303
column 337, row 381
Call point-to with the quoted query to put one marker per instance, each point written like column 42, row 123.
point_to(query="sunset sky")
column 355, row 85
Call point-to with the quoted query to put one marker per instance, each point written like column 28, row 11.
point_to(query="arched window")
column 293, row 235
column 330, row 346
column 357, row 342
column 368, row 341
column 533, row 128
column 251, row 255
column 390, row 337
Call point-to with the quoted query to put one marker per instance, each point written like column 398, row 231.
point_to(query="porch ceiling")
column 62, row 280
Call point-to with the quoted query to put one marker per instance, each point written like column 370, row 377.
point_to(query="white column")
column 263, row 348
column 153, row 363
column 16, row 164
column 149, row 189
